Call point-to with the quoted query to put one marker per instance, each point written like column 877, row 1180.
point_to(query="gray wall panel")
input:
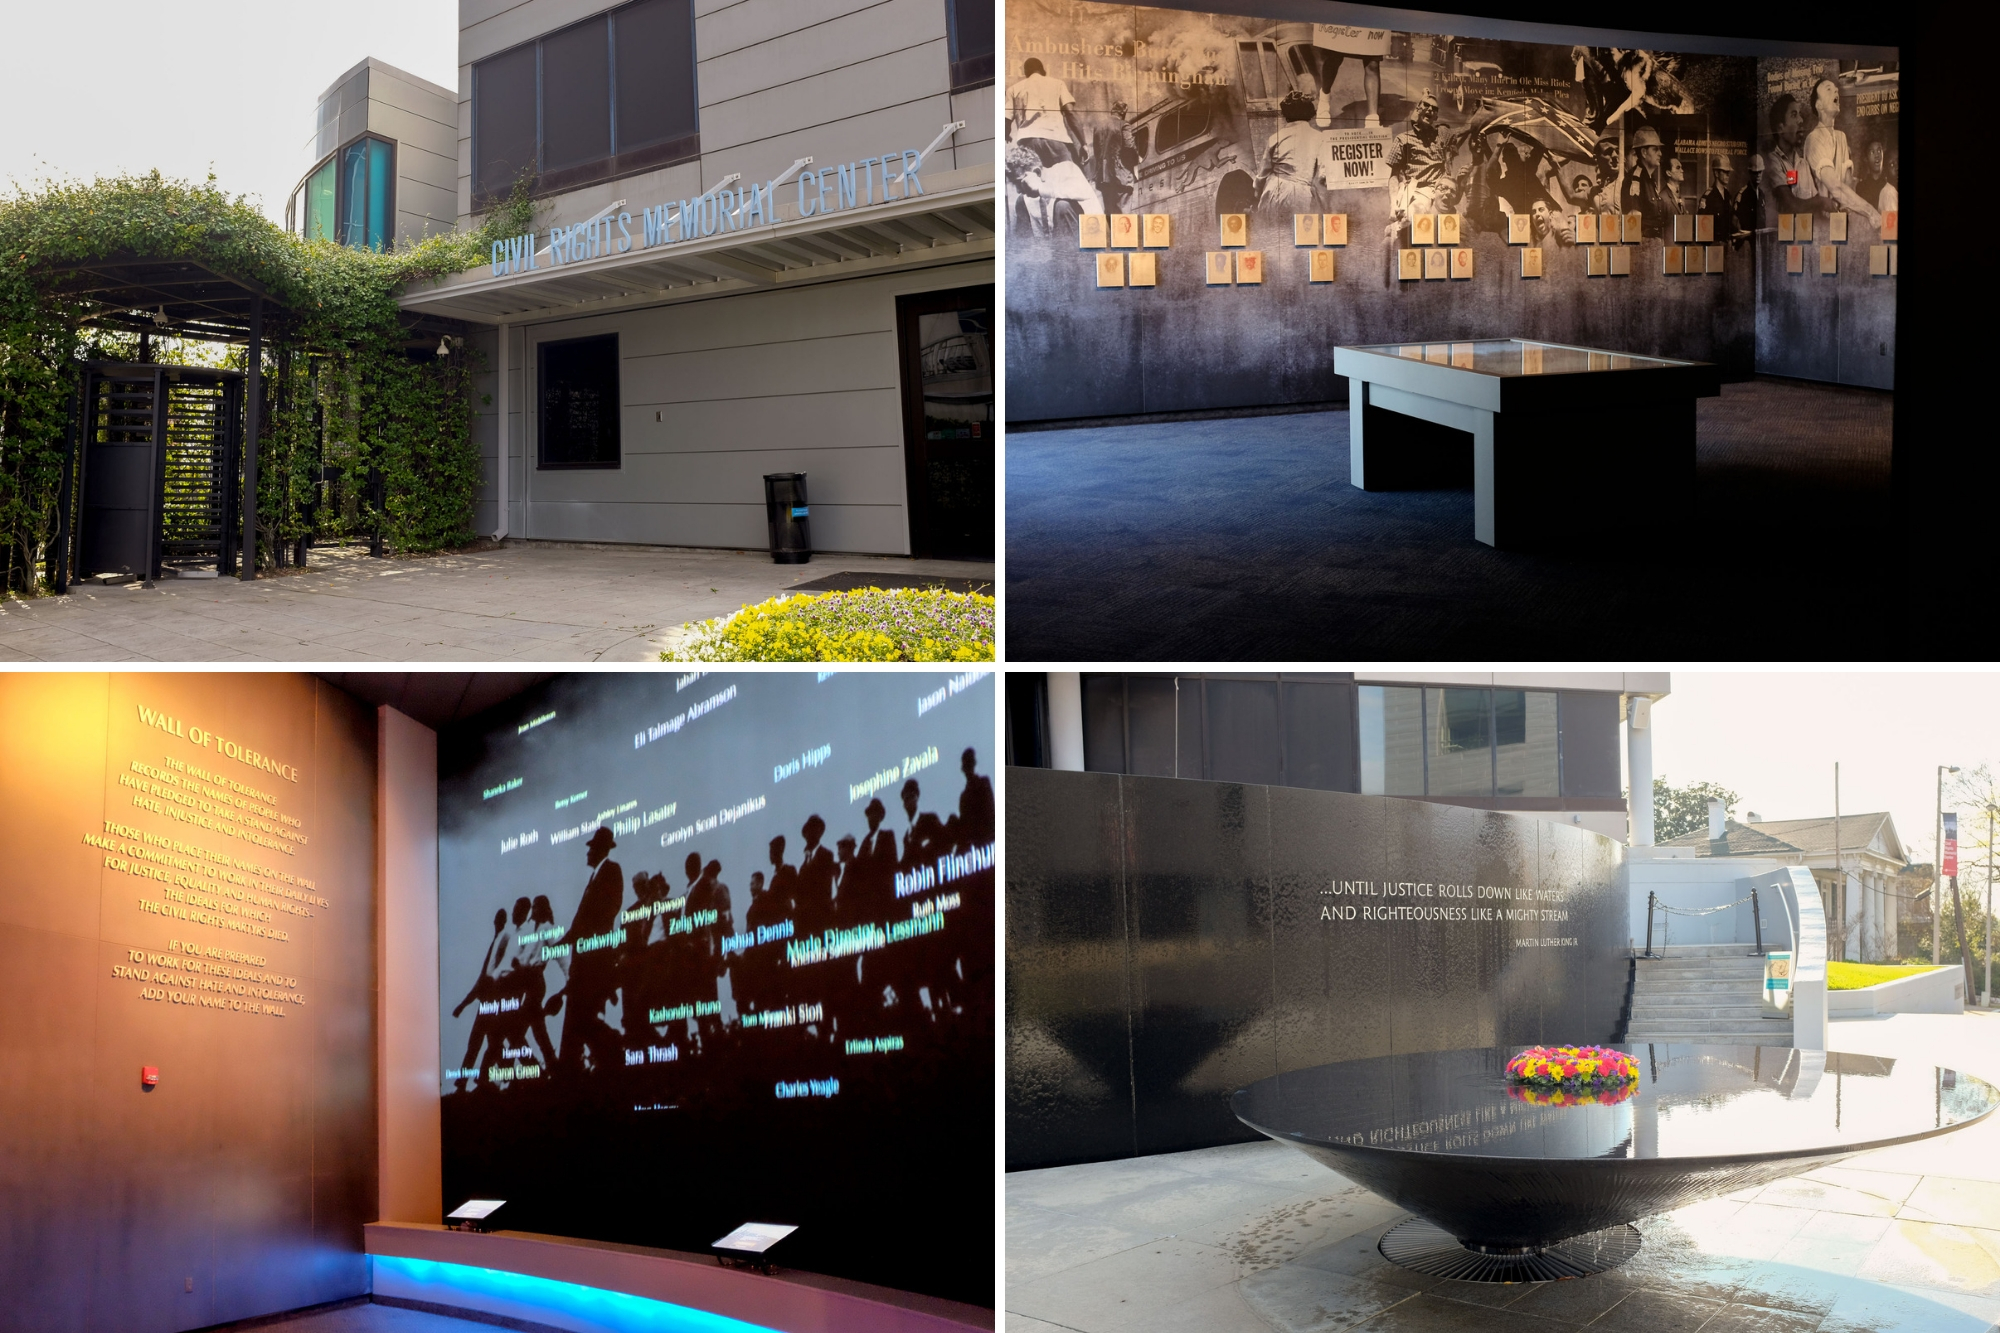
column 834, row 44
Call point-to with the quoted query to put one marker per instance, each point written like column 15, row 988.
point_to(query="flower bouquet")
column 1534, row 1096
column 1574, row 1071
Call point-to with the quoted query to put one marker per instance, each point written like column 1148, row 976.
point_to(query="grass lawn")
column 1856, row 976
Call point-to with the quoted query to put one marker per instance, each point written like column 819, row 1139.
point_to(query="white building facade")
column 763, row 244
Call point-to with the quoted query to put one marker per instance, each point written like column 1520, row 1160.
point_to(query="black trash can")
column 785, row 508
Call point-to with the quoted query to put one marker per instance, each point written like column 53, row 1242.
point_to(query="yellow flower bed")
column 865, row 625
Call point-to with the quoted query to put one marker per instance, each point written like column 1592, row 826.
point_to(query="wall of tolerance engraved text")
column 189, row 891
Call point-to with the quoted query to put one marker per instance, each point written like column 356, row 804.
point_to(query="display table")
column 1511, row 1190
column 1567, row 442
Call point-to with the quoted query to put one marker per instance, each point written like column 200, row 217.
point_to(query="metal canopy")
column 946, row 226
column 163, row 296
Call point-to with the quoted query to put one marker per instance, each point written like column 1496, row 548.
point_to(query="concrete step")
column 1712, row 1039
column 1693, row 1014
column 1739, row 1026
column 1648, row 971
column 1648, row 968
column 1700, row 995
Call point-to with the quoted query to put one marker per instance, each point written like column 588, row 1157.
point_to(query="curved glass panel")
column 353, row 193
column 319, row 218
column 381, row 196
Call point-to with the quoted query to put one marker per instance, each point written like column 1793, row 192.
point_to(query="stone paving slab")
column 517, row 602
column 1252, row 1238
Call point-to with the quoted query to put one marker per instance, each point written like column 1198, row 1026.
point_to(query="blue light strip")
column 596, row 1308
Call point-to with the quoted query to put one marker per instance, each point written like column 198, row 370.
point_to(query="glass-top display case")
column 1518, row 356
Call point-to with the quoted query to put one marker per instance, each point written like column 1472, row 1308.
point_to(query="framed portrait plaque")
column 1683, row 228
column 1125, row 230
column 1448, row 228
column 1634, row 228
column 1322, row 267
column 1249, row 266
column 1333, row 229
column 1111, row 270
column 1531, row 358
column 1889, row 217
column 1878, row 261
column 1596, row 261
column 1143, row 269
column 1424, row 229
column 1219, row 271
column 1409, row 264
column 1621, row 261
column 1437, row 262
column 1610, row 226
column 1671, row 259
column 1892, row 259
column 1704, row 228
column 1584, row 227
column 1531, row 261
column 1829, row 258
column 1795, row 261
column 1090, row 231
column 1520, row 229
column 1236, row 229
column 1712, row 255
column 1159, row 229
column 1305, row 229
column 1836, row 227
column 1802, row 228
column 1461, row 262
column 1785, row 225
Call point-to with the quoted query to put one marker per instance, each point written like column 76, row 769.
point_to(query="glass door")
column 947, row 355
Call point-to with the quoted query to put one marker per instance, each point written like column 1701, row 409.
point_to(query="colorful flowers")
column 866, row 625
column 1535, row 1096
column 1574, row 1070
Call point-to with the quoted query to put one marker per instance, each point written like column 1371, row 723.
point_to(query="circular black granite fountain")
column 1508, row 1187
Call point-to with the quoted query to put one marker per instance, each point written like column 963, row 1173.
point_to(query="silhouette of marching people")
column 662, row 955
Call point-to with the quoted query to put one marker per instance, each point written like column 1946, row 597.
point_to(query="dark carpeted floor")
column 1241, row 540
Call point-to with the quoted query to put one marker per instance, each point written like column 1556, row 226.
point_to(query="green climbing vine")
column 344, row 398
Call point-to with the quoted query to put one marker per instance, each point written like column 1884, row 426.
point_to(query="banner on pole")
column 1950, row 864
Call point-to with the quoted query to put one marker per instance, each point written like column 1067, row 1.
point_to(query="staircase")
column 1698, row 993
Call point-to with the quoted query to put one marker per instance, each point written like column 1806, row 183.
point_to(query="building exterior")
column 385, row 158
column 763, row 243
column 1539, row 743
column 1858, row 862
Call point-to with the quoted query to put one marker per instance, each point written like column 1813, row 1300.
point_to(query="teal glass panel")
column 319, row 221
column 381, row 197
column 354, row 193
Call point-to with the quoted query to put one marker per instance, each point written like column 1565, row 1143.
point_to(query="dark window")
column 503, row 120
column 1319, row 736
column 579, row 420
column 1103, row 724
column 605, row 97
column 1590, row 745
column 1243, row 732
column 576, row 96
column 656, row 36
column 971, row 25
column 1028, row 719
column 1149, row 726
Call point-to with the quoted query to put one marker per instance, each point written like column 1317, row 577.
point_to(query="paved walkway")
column 1258, row 1237
column 531, row 602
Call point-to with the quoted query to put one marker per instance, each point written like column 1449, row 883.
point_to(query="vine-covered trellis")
column 360, row 433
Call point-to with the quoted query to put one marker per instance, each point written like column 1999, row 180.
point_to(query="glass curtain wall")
column 1440, row 741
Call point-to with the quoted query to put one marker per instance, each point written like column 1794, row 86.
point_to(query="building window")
column 606, row 97
column 349, row 198
column 579, row 416
column 1451, row 742
column 1264, row 730
column 970, row 23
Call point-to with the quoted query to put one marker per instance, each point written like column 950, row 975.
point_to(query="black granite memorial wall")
column 1169, row 941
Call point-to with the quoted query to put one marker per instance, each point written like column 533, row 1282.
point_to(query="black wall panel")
column 1169, row 941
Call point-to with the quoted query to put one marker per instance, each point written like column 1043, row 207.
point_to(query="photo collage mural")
column 1271, row 189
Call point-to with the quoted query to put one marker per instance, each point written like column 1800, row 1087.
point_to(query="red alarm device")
column 149, row 1076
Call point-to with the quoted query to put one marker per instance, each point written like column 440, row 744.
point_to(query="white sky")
column 1774, row 738
column 99, row 87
